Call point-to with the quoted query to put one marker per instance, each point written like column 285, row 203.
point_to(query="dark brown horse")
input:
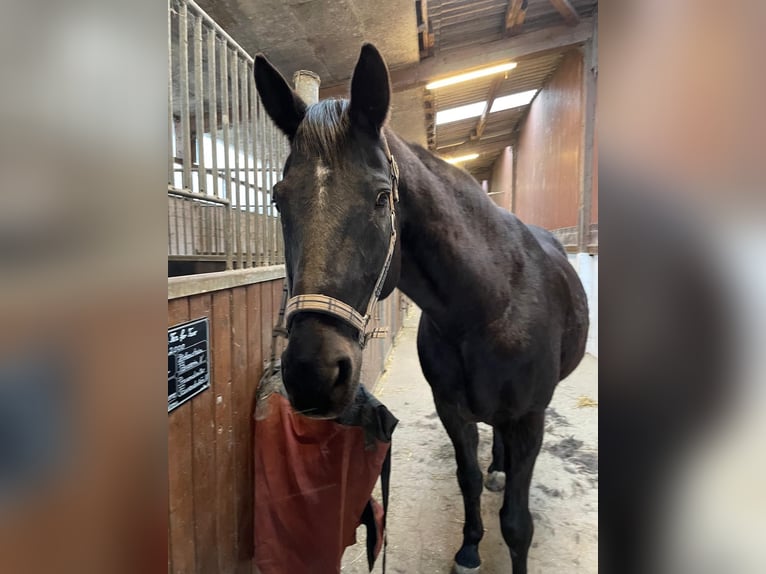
column 504, row 317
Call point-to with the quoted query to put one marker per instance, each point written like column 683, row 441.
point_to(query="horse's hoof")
column 458, row 569
column 495, row 481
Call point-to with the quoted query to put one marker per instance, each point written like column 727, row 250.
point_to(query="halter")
column 318, row 303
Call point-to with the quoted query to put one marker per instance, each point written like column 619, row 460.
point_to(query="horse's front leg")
column 465, row 439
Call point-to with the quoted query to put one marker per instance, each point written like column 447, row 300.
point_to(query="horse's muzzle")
column 320, row 368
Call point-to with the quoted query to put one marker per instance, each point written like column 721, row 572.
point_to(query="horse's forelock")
column 324, row 129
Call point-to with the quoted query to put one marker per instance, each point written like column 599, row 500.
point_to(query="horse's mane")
column 324, row 129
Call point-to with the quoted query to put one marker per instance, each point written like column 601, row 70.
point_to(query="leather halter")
column 318, row 303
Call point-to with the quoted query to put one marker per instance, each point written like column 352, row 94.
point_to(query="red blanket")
column 313, row 481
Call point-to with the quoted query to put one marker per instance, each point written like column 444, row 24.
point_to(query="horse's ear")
column 282, row 104
column 370, row 90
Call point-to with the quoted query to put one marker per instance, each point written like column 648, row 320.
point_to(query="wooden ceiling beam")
column 515, row 14
column 481, row 123
column 424, row 31
column 483, row 147
column 450, row 62
column 567, row 11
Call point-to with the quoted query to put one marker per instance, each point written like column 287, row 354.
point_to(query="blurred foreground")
column 83, row 286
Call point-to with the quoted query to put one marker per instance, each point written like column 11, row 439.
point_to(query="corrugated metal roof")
column 454, row 138
column 458, row 23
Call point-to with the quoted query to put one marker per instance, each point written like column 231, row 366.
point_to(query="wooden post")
column 590, row 73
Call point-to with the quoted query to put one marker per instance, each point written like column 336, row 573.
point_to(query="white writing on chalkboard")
column 188, row 361
column 181, row 335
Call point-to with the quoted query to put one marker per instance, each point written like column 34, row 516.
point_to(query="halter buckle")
column 394, row 178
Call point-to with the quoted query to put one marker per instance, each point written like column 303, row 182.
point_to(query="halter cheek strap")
column 318, row 303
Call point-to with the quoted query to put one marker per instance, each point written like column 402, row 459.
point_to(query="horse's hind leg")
column 465, row 439
column 523, row 439
column 495, row 480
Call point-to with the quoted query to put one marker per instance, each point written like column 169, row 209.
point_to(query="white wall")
column 587, row 268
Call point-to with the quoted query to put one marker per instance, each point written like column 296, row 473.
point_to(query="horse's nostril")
column 344, row 372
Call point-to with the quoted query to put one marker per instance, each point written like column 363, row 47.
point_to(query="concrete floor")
column 426, row 510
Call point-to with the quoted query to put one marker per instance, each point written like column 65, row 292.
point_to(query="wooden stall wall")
column 389, row 314
column 549, row 150
column 210, row 437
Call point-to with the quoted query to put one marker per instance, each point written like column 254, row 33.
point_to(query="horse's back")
column 546, row 239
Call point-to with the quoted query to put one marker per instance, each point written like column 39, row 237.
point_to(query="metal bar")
column 267, row 187
column 276, row 174
column 196, row 258
column 172, row 131
column 237, row 187
column 261, row 185
column 183, row 39
column 171, row 173
column 199, row 101
column 212, row 106
column 258, row 227
column 227, row 164
column 220, row 31
column 274, row 163
column 192, row 195
column 277, row 177
column 248, row 255
column 281, row 238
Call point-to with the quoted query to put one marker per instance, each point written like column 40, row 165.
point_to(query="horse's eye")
column 382, row 200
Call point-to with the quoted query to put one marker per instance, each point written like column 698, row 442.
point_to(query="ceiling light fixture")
column 470, row 75
column 461, row 158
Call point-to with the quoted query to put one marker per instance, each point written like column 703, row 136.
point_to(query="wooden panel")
column 548, row 165
column 276, row 302
column 180, row 480
column 241, row 317
column 268, row 318
column 226, row 522
column 203, row 458
column 210, row 438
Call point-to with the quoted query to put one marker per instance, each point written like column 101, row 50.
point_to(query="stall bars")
column 224, row 153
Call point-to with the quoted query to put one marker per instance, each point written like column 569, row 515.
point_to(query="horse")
column 504, row 315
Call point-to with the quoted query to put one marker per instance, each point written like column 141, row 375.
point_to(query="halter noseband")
column 318, row 303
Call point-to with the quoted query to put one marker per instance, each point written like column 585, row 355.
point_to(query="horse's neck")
column 448, row 266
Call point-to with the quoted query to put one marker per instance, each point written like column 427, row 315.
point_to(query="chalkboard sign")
column 188, row 361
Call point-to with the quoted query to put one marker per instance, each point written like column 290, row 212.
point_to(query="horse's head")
column 336, row 202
